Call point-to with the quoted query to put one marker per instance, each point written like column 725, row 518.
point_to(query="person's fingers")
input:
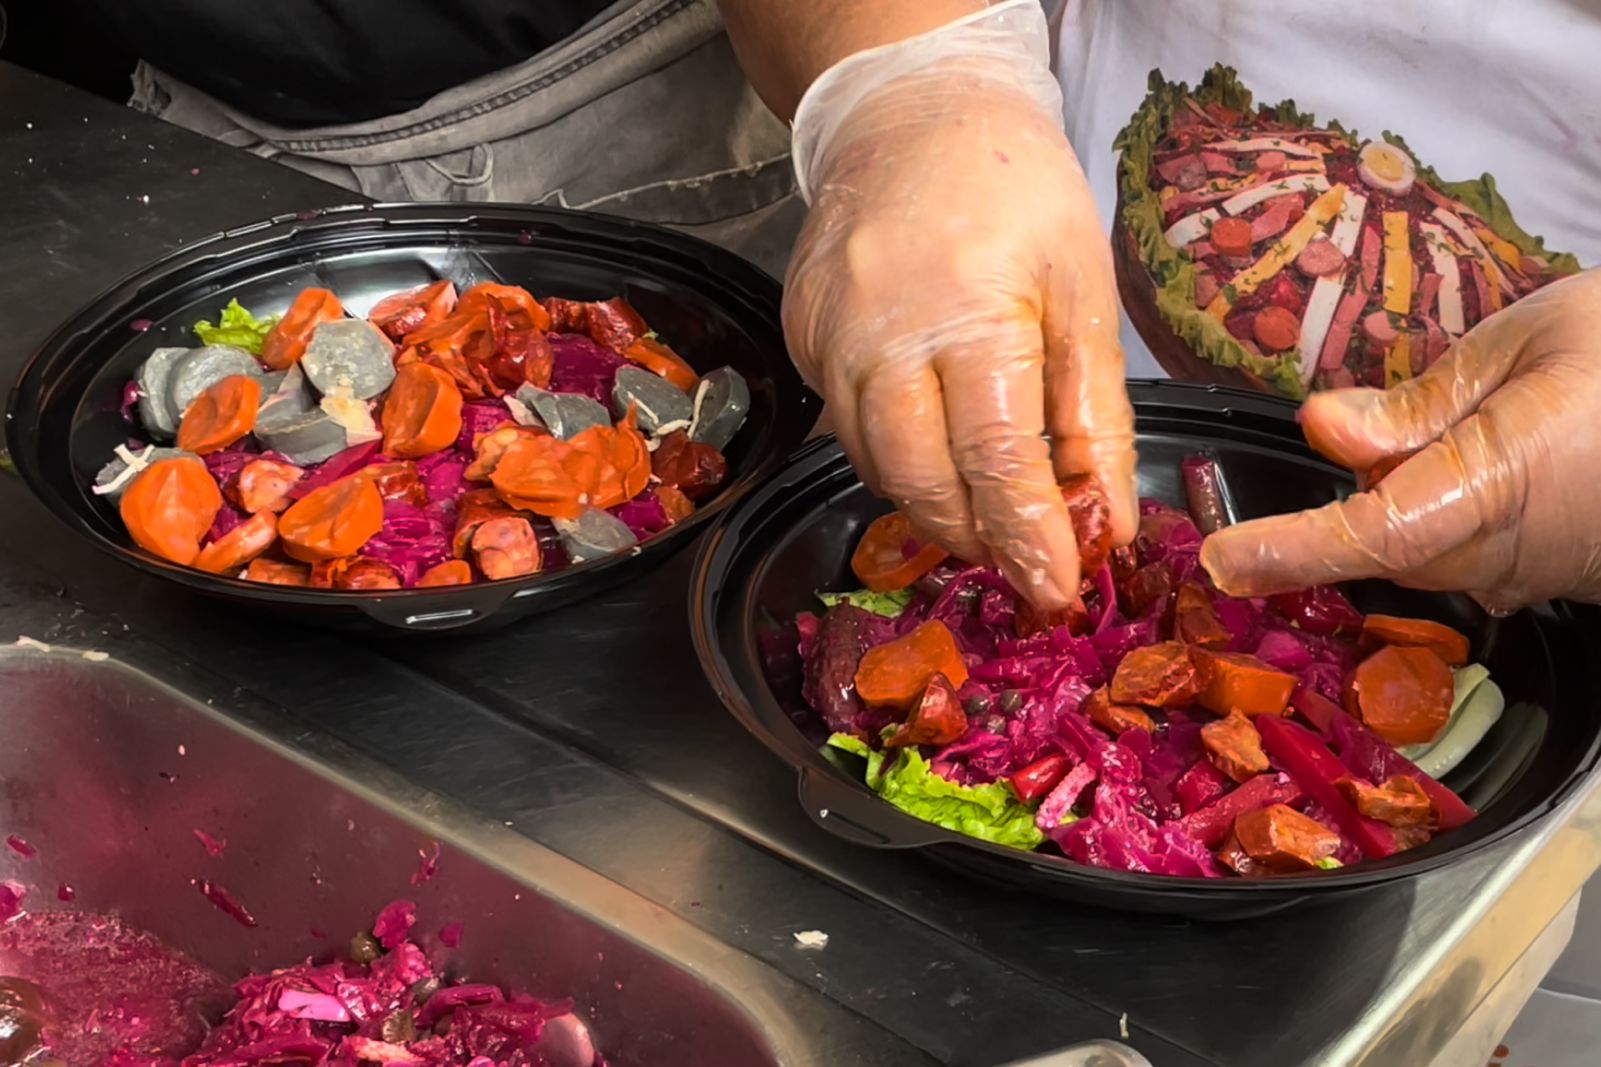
column 995, row 406
column 903, row 426
column 1087, row 410
column 1418, row 514
column 1357, row 428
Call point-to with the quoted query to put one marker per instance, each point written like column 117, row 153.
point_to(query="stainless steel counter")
column 592, row 733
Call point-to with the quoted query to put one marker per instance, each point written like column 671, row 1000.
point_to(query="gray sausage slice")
column 111, row 481
column 565, row 415
column 594, row 535
column 304, row 438
column 656, row 401
column 287, row 402
column 155, row 405
column 204, row 367
column 351, row 353
column 722, row 400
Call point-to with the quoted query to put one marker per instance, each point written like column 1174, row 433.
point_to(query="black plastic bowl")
column 765, row 561
column 713, row 308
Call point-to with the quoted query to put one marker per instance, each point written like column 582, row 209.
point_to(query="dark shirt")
column 306, row 63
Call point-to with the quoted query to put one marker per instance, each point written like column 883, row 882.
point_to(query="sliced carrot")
column 1234, row 746
column 332, row 521
column 239, row 545
column 450, row 572
column 1231, row 237
column 1162, row 675
column 1448, row 644
column 454, row 345
column 601, row 467
column 522, row 311
column 264, row 485
column 895, row 674
column 1276, row 328
column 276, row 572
column 169, row 506
column 506, row 547
column 531, row 476
column 404, row 313
column 1195, row 621
column 890, row 556
column 1234, row 681
column 422, row 413
column 1401, row 693
column 663, row 361
column 220, row 416
column 1114, row 718
column 621, row 463
column 286, row 342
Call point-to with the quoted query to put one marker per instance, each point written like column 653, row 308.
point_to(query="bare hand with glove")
column 1496, row 501
column 952, row 296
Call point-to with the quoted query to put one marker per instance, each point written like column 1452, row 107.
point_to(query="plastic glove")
column 1498, row 502
column 952, row 296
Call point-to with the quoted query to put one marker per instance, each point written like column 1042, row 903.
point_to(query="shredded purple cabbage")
column 579, row 365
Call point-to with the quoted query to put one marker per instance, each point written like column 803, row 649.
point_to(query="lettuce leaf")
column 237, row 327
column 889, row 605
column 988, row 812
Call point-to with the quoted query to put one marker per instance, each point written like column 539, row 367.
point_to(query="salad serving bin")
column 713, row 307
column 768, row 558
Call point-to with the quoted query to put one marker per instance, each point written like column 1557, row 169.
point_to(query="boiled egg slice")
column 1387, row 168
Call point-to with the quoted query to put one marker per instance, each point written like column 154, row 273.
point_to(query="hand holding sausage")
column 952, row 295
column 1498, row 443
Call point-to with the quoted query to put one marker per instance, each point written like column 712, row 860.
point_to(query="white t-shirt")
column 1512, row 87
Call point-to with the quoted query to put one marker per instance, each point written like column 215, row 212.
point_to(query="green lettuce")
column 237, row 327
column 889, row 605
column 1173, row 273
column 989, row 812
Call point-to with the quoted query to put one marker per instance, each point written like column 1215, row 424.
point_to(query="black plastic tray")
column 713, row 307
column 765, row 560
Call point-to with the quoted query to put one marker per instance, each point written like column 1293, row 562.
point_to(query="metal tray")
column 765, row 561
column 713, row 307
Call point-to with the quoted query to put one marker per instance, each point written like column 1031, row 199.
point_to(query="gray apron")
column 642, row 113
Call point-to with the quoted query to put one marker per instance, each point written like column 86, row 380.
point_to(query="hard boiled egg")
column 1387, row 168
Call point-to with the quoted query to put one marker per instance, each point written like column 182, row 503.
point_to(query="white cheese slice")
column 1348, row 226
column 1465, row 234
column 1261, row 144
column 1453, row 320
column 1326, row 293
column 1295, row 183
column 354, row 415
column 1191, row 228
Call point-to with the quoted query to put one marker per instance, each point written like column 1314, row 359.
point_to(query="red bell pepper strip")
column 1316, row 770
column 1039, row 778
column 1211, row 824
column 1368, row 755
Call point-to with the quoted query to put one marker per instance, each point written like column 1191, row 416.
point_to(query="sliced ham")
column 1372, row 248
column 1268, row 162
column 1200, row 250
column 1320, row 309
column 1186, row 172
column 1278, row 214
column 1209, row 193
column 1339, row 338
column 1428, row 290
column 1248, row 198
column 1481, row 286
column 1264, row 144
column 1320, row 258
column 1217, row 163
column 1435, row 342
column 1376, row 328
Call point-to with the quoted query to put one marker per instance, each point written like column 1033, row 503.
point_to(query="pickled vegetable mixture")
column 91, row 991
column 1157, row 726
column 439, row 441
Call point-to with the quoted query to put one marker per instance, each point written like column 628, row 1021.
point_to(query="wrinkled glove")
column 952, row 296
column 1498, row 500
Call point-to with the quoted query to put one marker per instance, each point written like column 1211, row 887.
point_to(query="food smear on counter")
column 91, row 990
column 445, row 439
column 1304, row 255
column 225, row 902
column 1155, row 726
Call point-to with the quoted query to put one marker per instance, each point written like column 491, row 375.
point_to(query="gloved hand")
column 952, row 295
column 1499, row 502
